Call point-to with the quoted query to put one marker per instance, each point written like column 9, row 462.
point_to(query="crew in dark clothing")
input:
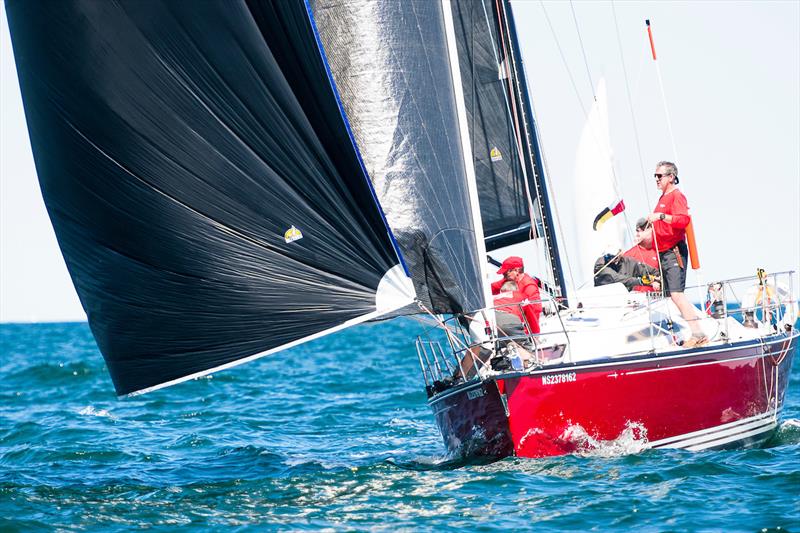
column 616, row 268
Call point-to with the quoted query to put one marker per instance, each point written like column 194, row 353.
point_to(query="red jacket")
column 668, row 235
column 527, row 289
column 643, row 255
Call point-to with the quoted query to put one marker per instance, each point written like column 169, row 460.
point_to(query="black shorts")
column 674, row 279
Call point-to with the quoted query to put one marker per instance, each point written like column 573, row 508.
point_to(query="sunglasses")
column 659, row 176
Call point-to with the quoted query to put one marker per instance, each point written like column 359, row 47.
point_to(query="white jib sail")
column 595, row 189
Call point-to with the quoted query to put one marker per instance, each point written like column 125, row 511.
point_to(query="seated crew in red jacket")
column 644, row 252
column 670, row 218
column 527, row 291
column 520, row 288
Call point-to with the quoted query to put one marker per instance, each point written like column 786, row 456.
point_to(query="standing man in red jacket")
column 670, row 218
column 513, row 269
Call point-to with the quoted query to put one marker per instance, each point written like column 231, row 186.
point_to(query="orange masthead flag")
column 608, row 212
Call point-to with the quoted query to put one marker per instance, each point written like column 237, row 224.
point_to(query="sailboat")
column 230, row 179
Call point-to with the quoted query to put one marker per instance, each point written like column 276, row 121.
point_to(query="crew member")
column 643, row 250
column 618, row 268
column 670, row 218
column 510, row 323
column 527, row 291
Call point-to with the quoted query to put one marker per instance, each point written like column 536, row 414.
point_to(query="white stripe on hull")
column 765, row 428
column 722, row 434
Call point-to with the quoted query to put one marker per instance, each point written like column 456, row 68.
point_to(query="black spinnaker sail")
column 201, row 180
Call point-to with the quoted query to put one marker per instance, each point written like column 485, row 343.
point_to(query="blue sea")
column 332, row 435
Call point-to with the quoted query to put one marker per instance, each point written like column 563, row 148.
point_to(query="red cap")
column 508, row 264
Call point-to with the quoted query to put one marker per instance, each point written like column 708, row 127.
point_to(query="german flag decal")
column 608, row 212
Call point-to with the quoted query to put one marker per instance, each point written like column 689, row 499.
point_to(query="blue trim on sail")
column 352, row 137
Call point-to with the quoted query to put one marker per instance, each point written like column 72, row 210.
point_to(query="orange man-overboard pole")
column 650, row 34
column 693, row 257
column 690, row 239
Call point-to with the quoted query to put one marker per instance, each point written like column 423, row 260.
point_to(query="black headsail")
column 391, row 64
column 201, row 181
column 513, row 197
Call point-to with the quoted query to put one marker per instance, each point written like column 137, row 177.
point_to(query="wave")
column 787, row 433
column 436, row 463
column 91, row 411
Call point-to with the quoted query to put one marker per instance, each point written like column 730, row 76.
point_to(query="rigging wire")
column 630, row 106
column 583, row 50
column 615, row 180
column 563, row 59
column 441, row 323
column 546, row 174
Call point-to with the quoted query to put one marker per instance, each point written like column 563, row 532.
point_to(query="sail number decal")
column 555, row 379
column 477, row 393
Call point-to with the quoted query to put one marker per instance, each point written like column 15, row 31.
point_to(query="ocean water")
column 332, row 435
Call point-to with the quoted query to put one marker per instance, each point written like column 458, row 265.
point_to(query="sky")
column 731, row 80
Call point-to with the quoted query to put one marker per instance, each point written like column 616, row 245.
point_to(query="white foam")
column 91, row 411
column 632, row 439
column 792, row 423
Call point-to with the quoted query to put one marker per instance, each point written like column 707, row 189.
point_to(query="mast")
column 533, row 147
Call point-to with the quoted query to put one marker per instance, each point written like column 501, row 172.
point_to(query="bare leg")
column 467, row 366
column 688, row 312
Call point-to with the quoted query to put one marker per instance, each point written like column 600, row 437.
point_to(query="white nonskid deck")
column 612, row 323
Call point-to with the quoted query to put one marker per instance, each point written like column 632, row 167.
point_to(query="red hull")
column 713, row 397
